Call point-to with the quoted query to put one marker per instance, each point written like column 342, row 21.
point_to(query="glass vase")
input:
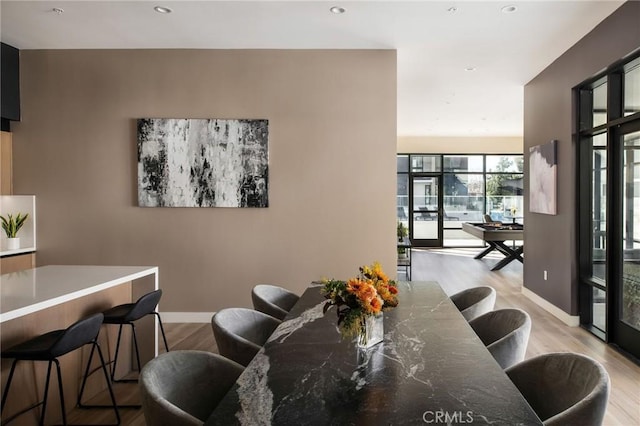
column 373, row 331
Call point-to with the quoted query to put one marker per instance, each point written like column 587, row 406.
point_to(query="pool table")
column 495, row 234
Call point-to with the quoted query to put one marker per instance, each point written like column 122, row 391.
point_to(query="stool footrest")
column 125, row 380
column 21, row 412
column 83, row 406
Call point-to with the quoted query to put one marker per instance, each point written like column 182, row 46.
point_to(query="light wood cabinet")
column 6, row 164
column 19, row 262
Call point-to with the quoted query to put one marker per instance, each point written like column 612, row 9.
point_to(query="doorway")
column 425, row 227
column 609, row 205
column 625, row 321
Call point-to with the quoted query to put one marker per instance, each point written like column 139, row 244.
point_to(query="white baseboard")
column 570, row 320
column 193, row 317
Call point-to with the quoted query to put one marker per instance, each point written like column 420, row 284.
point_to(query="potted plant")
column 403, row 232
column 11, row 226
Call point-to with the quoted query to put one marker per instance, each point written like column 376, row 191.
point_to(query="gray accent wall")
column 551, row 241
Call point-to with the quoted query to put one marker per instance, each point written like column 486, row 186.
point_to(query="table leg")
column 510, row 255
column 488, row 250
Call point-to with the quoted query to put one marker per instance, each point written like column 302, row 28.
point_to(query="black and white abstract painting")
column 543, row 175
column 203, row 163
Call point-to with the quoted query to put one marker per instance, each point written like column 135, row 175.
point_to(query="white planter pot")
column 13, row 243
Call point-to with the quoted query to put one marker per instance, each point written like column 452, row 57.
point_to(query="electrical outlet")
column 544, row 275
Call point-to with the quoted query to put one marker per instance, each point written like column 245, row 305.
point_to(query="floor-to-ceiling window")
column 438, row 192
column 464, row 189
column 609, row 204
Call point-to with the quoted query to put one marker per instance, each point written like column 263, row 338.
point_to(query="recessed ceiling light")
column 509, row 9
column 58, row 10
column 470, row 69
column 452, row 9
column 162, row 9
column 337, row 10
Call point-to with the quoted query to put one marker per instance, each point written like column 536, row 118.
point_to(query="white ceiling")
column 436, row 96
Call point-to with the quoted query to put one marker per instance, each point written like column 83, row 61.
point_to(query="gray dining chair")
column 475, row 301
column 273, row 300
column 505, row 333
column 241, row 332
column 563, row 388
column 182, row 388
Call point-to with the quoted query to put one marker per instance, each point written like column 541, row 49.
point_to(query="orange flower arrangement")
column 355, row 299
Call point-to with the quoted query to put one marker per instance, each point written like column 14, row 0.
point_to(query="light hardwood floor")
column 455, row 270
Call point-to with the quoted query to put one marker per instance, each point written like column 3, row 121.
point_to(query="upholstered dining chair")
column 241, row 332
column 273, row 300
column 505, row 333
column 475, row 301
column 563, row 388
column 182, row 388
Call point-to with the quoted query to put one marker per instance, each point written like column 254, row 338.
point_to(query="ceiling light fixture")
column 337, row 10
column 509, row 9
column 469, row 69
column 452, row 9
column 162, row 9
column 58, row 10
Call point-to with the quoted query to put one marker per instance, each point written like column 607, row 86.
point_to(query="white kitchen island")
column 33, row 290
column 38, row 300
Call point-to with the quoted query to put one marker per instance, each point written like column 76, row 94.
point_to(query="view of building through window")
column 437, row 193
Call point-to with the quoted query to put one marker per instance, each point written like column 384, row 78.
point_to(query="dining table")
column 430, row 368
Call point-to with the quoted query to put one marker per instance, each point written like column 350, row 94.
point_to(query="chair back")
column 144, row 305
column 273, row 300
column 563, row 388
column 182, row 388
column 487, row 219
column 505, row 333
column 241, row 332
column 401, row 213
column 475, row 301
column 77, row 335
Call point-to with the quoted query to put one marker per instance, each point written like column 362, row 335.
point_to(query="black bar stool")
column 126, row 314
column 50, row 346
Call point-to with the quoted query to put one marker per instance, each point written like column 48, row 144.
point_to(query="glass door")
column 425, row 227
column 626, row 322
column 608, row 113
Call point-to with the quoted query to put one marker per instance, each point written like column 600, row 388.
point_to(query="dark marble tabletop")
column 431, row 368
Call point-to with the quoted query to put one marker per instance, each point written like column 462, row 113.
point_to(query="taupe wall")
column 551, row 240
column 462, row 145
column 332, row 145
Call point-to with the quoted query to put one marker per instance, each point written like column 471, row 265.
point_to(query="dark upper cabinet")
column 10, row 78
